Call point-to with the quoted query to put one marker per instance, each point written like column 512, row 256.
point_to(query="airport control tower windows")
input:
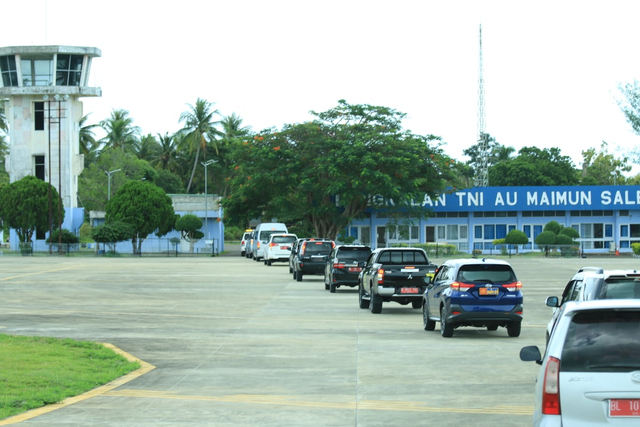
column 68, row 70
column 38, row 115
column 37, row 71
column 9, row 70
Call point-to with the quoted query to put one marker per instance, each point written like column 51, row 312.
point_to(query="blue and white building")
column 606, row 217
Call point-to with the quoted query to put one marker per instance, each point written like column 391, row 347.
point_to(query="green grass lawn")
column 36, row 371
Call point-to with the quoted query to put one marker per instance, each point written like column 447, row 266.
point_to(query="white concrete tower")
column 44, row 85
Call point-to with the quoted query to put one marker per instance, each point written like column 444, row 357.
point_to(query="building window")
column 68, row 70
column 9, row 70
column 37, row 71
column 39, row 170
column 38, row 115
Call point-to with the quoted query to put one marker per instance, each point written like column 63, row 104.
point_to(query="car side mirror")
column 531, row 353
column 552, row 302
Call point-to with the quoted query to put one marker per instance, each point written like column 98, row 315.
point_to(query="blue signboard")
column 537, row 199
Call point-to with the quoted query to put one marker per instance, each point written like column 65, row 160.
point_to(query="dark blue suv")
column 473, row 292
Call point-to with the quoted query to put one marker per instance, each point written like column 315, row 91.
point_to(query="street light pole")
column 206, row 208
column 109, row 186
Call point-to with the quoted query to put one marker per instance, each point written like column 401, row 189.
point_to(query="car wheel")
column 416, row 304
column 294, row 275
column 264, row 261
column 299, row 276
column 242, row 253
column 492, row 328
column 332, row 288
column 268, row 262
column 446, row 330
column 429, row 325
column 376, row 304
column 514, row 329
column 364, row 303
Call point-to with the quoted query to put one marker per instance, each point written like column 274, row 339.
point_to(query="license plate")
column 355, row 269
column 285, row 248
column 409, row 290
column 624, row 408
column 489, row 291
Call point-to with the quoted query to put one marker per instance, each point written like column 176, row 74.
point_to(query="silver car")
column 590, row 373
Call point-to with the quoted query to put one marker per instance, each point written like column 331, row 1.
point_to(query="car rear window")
column 486, row 273
column 284, row 239
column 602, row 341
column 403, row 257
column 314, row 248
column 353, row 254
column 620, row 289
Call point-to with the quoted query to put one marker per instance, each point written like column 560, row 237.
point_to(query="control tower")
column 43, row 85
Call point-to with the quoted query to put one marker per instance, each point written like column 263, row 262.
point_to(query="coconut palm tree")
column 87, row 139
column 147, row 148
column 121, row 133
column 199, row 129
column 167, row 155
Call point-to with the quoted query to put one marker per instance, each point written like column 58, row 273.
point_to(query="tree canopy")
column 25, row 207
column 330, row 170
column 534, row 167
column 145, row 207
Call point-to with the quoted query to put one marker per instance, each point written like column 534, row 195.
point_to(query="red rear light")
column 515, row 286
column 380, row 276
column 304, row 246
column 551, row 388
column 463, row 287
column 258, row 244
column 338, row 265
column 242, row 243
column 272, row 244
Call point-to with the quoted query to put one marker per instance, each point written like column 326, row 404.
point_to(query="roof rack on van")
column 597, row 270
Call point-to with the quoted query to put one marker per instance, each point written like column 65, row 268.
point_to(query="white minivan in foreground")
column 590, row 374
column 278, row 249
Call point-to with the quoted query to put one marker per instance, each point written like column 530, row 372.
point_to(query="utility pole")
column 482, row 172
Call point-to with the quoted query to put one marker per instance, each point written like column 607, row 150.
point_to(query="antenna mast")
column 482, row 172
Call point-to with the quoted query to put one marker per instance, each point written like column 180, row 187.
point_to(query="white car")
column 590, row 372
column 278, row 248
column 245, row 240
column 591, row 283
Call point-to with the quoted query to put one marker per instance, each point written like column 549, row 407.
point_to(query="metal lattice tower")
column 482, row 172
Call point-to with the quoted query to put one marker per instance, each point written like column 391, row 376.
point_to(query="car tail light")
column 463, row 287
column 380, row 276
column 258, row 244
column 242, row 243
column 272, row 244
column 304, row 246
column 551, row 388
column 338, row 265
column 515, row 286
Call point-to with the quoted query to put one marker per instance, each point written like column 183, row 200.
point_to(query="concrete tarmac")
column 227, row 341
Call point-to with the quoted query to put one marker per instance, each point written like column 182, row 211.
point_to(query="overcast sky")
column 551, row 68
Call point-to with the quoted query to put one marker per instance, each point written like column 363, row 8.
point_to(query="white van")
column 262, row 233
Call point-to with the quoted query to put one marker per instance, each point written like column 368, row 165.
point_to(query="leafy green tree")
column 189, row 227
column 147, row 148
column 93, row 182
column 121, row 133
column 534, row 167
column 571, row 232
column 24, row 206
column 87, row 139
column 517, row 238
column 169, row 182
column 66, row 237
column 199, row 130
column 112, row 233
column 546, row 239
column 330, row 170
column 554, row 226
column 145, row 207
column 630, row 105
column 603, row 168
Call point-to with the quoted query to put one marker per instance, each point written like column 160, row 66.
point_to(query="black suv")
column 344, row 265
column 310, row 257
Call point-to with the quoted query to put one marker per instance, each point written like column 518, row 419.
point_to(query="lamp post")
column 206, row 208
column 109, row 186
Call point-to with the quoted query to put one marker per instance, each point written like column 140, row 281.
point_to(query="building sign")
column 537, row 199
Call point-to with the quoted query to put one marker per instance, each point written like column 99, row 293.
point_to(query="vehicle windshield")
column 620, row 289
column 264, row 235
column 486, row 273
column 603, row 341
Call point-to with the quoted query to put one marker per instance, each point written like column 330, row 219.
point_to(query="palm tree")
column 199, row 129
column 166, row 157
column 232, row 127
column 147, row 148
column 120, row 131
column 88, row 144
